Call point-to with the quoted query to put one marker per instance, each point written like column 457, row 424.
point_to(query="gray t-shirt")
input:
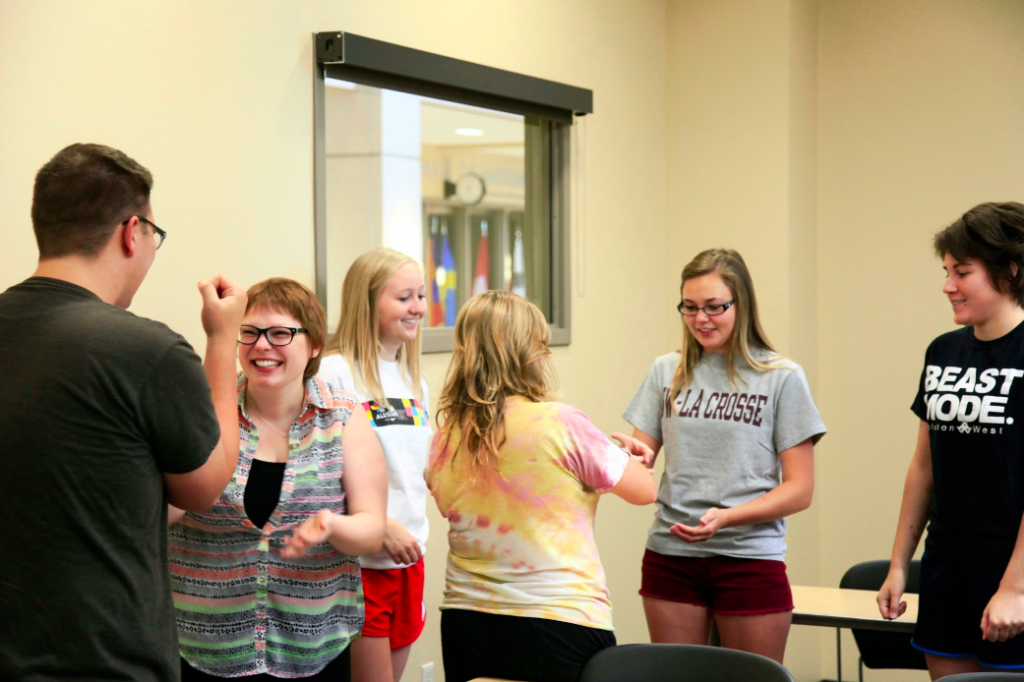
column 722, row 446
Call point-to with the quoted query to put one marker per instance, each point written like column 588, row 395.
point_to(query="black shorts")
column 476, row 644
column 954, row 594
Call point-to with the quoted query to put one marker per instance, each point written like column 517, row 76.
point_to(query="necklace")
column 266, row 422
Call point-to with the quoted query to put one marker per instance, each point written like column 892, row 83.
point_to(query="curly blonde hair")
column 501, row 346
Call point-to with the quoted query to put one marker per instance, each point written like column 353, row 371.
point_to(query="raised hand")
column 223, row 306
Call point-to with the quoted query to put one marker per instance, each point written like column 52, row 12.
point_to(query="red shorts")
column 394, row 604
column 722, row 584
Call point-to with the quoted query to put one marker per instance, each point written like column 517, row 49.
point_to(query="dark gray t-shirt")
column 722, row 446
column 97, row 405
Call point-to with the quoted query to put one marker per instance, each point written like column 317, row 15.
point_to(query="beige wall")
column 824, row 140
column 216, row 99
column 827, row 141
column 920, row 115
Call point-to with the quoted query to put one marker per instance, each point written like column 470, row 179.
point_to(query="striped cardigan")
column 241, row 608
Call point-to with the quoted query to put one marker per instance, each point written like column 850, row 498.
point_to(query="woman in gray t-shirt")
column 739, row 426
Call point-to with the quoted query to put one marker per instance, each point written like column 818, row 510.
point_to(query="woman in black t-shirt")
column 966, row 478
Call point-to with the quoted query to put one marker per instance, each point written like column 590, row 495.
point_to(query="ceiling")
column 439, row 121
column 503, row 133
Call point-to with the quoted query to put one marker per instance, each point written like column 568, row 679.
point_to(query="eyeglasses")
column 276, row 336
column 709, row 310
column 160, row 233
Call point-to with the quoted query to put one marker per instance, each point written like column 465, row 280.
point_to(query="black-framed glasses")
column 709, row 310
column 276, row 336
column 160, row 233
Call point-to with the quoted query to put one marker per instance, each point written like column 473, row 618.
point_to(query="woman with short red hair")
column 266, row 582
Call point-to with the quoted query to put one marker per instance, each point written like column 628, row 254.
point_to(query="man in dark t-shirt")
column 105, row 418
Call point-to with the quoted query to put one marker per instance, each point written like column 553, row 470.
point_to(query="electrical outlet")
column 427, row 672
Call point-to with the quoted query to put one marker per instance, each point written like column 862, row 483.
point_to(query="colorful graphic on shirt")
column 403, row 411
column 978, row 402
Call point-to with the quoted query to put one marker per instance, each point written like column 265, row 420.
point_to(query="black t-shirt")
column 972, row 396
column 97, row 405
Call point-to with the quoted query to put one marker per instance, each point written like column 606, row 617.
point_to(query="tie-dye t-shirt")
column 521, row 538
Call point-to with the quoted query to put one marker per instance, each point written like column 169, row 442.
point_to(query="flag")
column 447, row 281
column 436, row 311
column 518, row 266
column 483, row 263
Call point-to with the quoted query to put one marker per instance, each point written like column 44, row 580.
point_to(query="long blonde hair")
column 747, row 334
column 501, row 342
column 358, row 336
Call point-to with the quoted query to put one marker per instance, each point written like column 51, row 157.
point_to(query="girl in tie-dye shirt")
column 518, row 479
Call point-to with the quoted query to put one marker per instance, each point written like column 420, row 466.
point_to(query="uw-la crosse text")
column 737, row 407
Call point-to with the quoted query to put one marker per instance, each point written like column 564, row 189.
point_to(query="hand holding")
column 313, row 531
column 1004, row 616
column 400, row 545
column 223, row 306
column 888, row 598
column 635, row 449
column 714, row 519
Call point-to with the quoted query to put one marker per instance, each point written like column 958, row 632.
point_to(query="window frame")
column 350, row 57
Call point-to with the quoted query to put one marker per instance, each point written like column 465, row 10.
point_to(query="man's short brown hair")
column 287, row 295
column 82, row 194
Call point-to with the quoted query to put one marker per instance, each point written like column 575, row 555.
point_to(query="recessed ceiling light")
column 469, row 132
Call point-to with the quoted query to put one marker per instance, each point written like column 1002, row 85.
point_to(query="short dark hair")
column 287, row 295
column 992, row 233
column 82, row 194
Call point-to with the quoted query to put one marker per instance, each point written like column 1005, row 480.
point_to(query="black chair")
column 681, row 663
column 883, row 649
column 983, row 677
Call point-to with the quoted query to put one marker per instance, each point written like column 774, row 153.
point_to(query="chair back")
column 884, row 649
column 680, row 663
column 983, row 677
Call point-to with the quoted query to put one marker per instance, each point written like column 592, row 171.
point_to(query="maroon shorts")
column 722, row 584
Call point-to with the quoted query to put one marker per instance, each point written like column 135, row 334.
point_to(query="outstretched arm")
column 223, row 308
column 637, row 484
column 361, row 530
column 641, row 438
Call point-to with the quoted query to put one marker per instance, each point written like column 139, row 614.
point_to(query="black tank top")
column 263, row 490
